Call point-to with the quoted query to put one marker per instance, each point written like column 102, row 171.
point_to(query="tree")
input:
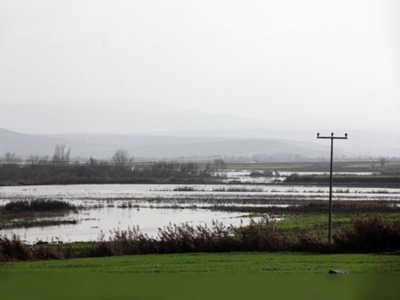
column 61, row 154
column 11, row 158
column 33, row 159
column 122, row 160
column 219, row 164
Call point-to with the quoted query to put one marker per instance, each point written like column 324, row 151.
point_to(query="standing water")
column 105, row 208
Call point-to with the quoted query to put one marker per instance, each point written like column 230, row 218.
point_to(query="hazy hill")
column 113, row 118
column 292, row 145
column 27, row 144
column 158, row 147
column 152, row 131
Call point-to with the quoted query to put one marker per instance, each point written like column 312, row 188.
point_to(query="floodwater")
column 95, row 222
column 190, row 192
column 243, row 176
column 105, row 208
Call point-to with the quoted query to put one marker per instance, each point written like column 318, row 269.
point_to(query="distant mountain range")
column 131, row 117
column 173, row 146
column 113, row 118
column 150, row 131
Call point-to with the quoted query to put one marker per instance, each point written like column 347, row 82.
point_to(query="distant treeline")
column 120, row 169
column 104, row 172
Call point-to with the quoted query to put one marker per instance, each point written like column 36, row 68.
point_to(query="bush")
column 262, row 236
column 307, row 242
column 13, row 249
column 123, row 242
column 369, row 234
column 365, row 235
column 188, row 238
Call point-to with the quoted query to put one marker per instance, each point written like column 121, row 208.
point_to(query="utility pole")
column 330, row 180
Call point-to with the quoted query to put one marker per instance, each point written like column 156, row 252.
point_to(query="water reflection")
column 171, row 191
column 243, row 176
column 154, row 206
column 93, row 222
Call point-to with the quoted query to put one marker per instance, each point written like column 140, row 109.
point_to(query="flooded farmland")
column 104, row 208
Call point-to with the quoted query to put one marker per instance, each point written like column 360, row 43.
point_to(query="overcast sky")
column 337, row 61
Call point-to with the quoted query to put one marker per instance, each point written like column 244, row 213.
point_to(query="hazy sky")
column 337, row 61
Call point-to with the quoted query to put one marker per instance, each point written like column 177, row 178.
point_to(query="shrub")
column 12, row 249
column 48, row 252
column 262, row 236
column 201, row 238
column 123, row 242
column 369, row 234
column 307, row 242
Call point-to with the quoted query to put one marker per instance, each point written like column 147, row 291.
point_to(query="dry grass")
column 365, row 235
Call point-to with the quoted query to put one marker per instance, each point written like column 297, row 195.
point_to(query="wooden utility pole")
column 330, row 180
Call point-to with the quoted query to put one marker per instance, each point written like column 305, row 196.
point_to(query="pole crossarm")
column 332, row 137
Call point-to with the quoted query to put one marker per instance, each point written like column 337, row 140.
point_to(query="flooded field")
column 191, row 193
column 94, row 223
column 244, row 176
column 104, row 208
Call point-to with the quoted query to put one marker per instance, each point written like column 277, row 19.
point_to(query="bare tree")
column 11, row 158
column 122, row 159
column 219, row 164
column 61, row 154
column 33, row 159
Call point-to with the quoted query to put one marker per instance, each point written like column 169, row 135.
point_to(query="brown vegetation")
column 366, row 235
column 38, row 205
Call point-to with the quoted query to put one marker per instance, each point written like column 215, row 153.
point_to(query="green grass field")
column 242, row 263
column 204, row 276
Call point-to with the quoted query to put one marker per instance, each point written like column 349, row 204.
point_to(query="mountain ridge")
column 156, row 147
